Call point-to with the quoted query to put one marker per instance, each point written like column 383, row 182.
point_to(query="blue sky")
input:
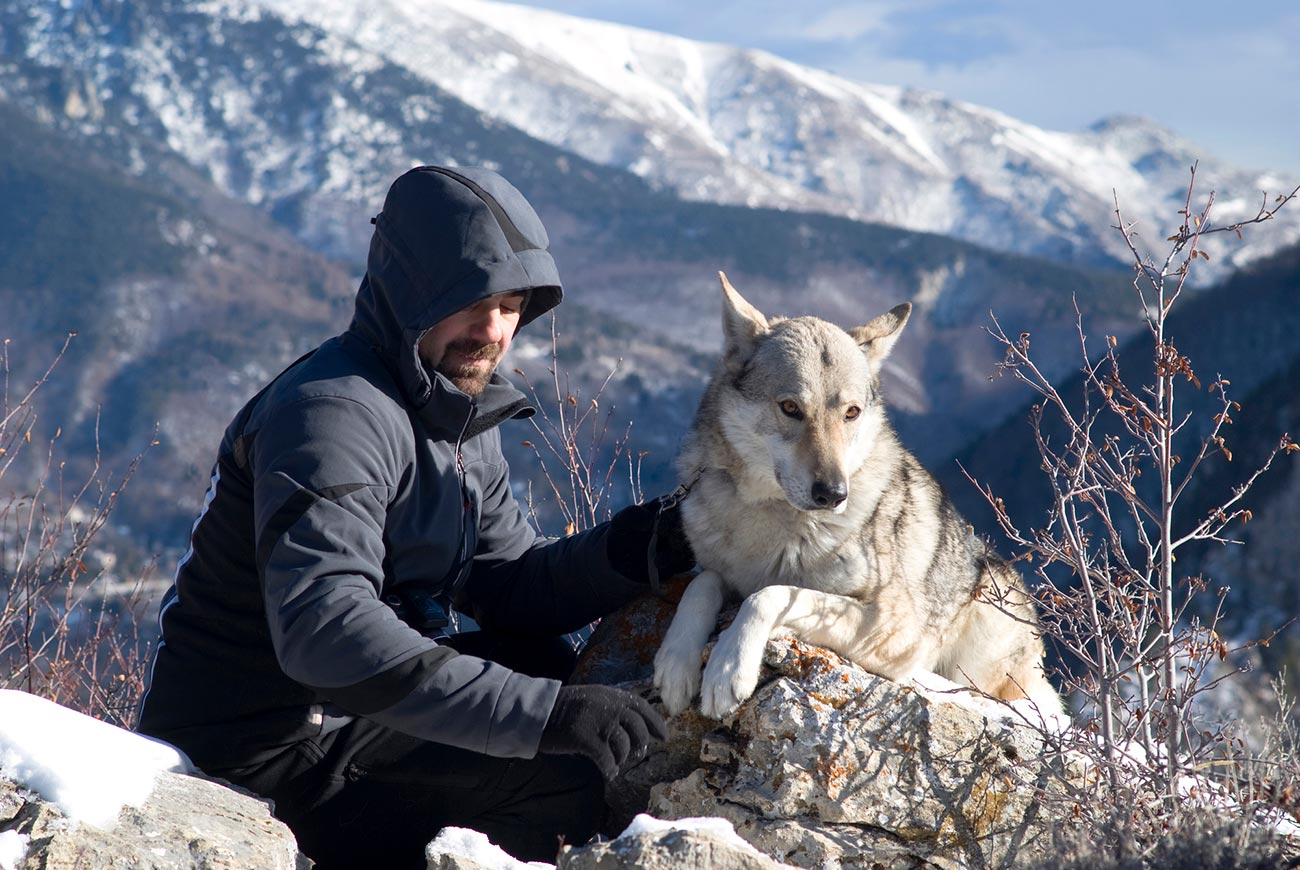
column 1224, row 73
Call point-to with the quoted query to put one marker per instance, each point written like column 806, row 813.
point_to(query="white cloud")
column 847, row 22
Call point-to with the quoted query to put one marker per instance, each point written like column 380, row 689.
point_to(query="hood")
column 445, row 239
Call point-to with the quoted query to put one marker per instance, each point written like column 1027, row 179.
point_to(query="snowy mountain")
column 190, row 163
column 344, row 87
column 725, row 124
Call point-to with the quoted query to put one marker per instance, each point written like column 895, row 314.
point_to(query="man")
column 357, row 499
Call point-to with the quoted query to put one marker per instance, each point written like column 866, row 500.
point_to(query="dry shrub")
column 69, row 625
column 1155, row 781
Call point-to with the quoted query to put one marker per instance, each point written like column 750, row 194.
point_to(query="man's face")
column 467, row 346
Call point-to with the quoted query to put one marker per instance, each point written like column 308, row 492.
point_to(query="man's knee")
column 552, row 799
column 526, row 806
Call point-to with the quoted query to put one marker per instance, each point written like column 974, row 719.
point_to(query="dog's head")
column 805, row 407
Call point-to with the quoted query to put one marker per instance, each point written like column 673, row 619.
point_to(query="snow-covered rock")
column 186, row 822
column 78, row 792
column 463, row 849
column 648, row 843
column 89, row 769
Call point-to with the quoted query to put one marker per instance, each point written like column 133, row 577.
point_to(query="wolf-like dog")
column 804, row 502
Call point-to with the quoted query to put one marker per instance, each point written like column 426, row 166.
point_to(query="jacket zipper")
column 463, row 555
column 460, row 466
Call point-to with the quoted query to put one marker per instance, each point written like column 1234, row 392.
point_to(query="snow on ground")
column 937, row 689
column 465, row 843
column 720, row 828
column 88, row 768
column 13, row 849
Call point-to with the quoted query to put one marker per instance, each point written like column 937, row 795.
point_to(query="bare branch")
column 1104, row 556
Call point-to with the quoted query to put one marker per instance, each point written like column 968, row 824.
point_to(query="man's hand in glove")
column 612, row 727
column 649, row 533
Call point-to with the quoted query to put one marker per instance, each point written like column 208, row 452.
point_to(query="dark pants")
column 368, row 796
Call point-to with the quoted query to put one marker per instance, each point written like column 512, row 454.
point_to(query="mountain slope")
column 273, row 143
column 715, row 122
column 155, row 278
column 227, row 83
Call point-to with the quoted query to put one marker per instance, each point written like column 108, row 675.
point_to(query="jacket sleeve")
column 324, row 471
column 522, row 582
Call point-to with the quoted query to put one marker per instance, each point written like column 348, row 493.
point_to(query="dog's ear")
column 877, row 337
column 742, row 323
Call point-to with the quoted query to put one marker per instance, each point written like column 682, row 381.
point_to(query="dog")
column 803, row 502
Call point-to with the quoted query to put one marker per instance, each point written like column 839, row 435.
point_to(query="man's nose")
column 490, row 327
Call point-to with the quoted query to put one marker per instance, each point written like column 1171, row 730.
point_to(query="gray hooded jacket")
column 356, row 472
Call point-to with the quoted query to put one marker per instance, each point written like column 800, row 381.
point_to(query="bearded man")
column 360, row 501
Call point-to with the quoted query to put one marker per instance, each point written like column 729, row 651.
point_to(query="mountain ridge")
column 741, row 126
column 281, row 137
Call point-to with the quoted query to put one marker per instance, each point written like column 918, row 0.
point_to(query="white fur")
column 888, row 578
column 677, row 664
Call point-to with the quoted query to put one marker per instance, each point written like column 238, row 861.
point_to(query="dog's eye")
column 852, row 413
column 791, row 409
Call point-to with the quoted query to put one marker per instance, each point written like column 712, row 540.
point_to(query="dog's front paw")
column 677, row 677
column 731, row 674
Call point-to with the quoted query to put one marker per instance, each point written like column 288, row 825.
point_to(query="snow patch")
column 720, row 828
column 464, row 843
column 88, row 768
column 13, row 849
column 939, row 690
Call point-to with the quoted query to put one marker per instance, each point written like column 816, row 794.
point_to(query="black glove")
column 635, row 530
column 612, row 727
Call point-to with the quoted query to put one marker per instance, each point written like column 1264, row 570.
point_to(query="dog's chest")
column 766, row 547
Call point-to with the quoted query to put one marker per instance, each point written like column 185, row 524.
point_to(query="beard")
column 469, row 379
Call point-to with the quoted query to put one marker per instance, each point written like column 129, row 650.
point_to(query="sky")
column 1223, row 73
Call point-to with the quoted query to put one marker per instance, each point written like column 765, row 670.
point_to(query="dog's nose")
column 829, row 495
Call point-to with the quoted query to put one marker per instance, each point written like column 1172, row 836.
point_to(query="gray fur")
column 830, row 528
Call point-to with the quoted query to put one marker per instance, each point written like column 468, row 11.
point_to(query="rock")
column 691, row 849
column 188, row 822
column 830, row 766
column 623, row 646
column 650, row 844
column 621, row 653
